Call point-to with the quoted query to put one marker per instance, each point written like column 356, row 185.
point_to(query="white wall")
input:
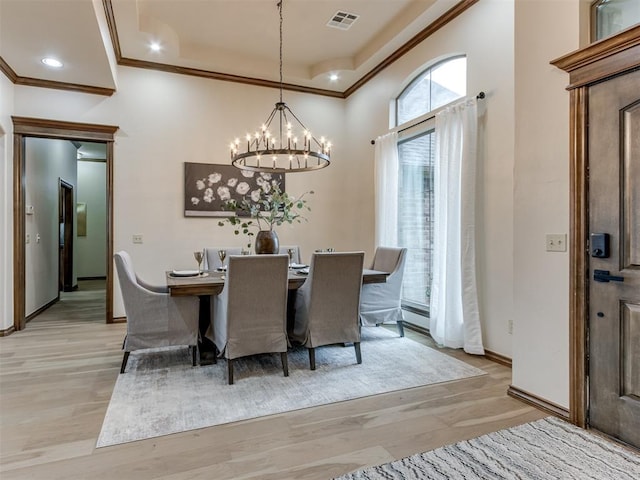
column 46, row 162
column 91, row 250
column 6, row 203
column 485, row 34
column 166, row 120
column 541, row 298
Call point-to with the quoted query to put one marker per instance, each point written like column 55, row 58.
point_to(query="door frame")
column 24, row 127
column 596, row 63
column 65, row 262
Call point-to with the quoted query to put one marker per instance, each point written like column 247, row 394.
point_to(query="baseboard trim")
column 42, row 309
column 119, row 320
column 416, row 328
column 493, row 356
column 92, row 278
column 539, row 403
column 496, row 357
column 7, row 331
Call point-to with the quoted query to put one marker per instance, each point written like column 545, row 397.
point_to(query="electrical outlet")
column 510, row 326
column 137, row 238
column 556, row 242
column 28, row 238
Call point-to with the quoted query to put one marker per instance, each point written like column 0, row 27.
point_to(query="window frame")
column 593, row 22
column 418, row 127
column 417, row 78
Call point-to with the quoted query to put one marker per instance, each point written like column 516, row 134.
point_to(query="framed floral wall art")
column 208, row 186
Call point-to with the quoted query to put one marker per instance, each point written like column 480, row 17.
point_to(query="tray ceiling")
column 229, row 38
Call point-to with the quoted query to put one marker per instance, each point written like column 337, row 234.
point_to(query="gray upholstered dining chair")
column 154, row 318
column 250, row 314
column 212, row 260
column 380, row 302
column 327, row 303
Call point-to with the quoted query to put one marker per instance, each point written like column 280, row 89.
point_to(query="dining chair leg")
column 401, row 328
column 194, row 354
column 285, row 363
column 124, row 362
column 230, row 371
column 356, row 345
column 312, row 358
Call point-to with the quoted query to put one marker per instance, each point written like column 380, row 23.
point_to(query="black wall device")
column 600, row 245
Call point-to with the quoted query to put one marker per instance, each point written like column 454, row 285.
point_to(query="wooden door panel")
column 630, row 120
column 614, row 306
column 630, row 343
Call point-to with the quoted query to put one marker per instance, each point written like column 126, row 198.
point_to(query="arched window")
column 438, row 85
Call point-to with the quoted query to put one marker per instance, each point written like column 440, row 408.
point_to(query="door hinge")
column 588, row 417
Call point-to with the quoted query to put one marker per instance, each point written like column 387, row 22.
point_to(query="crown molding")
column 226, row 77
column 433, row 27
column 37, row 82
column 8, row 71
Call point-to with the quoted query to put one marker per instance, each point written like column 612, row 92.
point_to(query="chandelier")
column 283, row 150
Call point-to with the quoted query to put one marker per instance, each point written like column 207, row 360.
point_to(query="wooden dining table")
column 212, row 282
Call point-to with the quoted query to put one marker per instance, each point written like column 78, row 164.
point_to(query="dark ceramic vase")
column 267, row 242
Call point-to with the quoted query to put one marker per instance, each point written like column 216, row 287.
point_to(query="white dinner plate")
column 185, row 273
column 303, row 271
column 298, row 265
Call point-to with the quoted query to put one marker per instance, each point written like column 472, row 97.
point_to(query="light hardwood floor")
column 56, row 378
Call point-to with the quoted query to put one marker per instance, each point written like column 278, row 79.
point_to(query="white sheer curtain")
column 386, row 173
column 455, row 318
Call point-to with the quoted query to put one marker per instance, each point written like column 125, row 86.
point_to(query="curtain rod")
column 480, row 96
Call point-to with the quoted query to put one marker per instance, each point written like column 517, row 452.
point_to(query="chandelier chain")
column 280, row 10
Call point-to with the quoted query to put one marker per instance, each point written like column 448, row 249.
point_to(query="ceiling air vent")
column 342, row 20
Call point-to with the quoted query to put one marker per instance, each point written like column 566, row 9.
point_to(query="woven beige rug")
column 542, row 450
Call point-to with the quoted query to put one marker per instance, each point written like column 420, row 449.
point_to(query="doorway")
column 613, row 339
column 39, row 128
column 604, row 321
column 65, row 234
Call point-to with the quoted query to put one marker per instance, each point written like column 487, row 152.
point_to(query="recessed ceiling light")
column 333, row 77
column 155, row 46
column 52, row 62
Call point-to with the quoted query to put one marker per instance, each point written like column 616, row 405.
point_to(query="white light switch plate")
column 556, row 242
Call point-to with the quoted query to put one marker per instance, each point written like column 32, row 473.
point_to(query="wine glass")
column 291, row 251
column 222, row 254
column 199, row 256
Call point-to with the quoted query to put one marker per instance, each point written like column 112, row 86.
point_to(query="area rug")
column 545, row 449
column 161, row 393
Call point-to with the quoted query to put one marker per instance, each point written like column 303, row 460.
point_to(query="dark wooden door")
column 614, row 297
column 65, row 220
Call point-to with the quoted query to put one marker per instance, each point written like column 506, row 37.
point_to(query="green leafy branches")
column 267, row 207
